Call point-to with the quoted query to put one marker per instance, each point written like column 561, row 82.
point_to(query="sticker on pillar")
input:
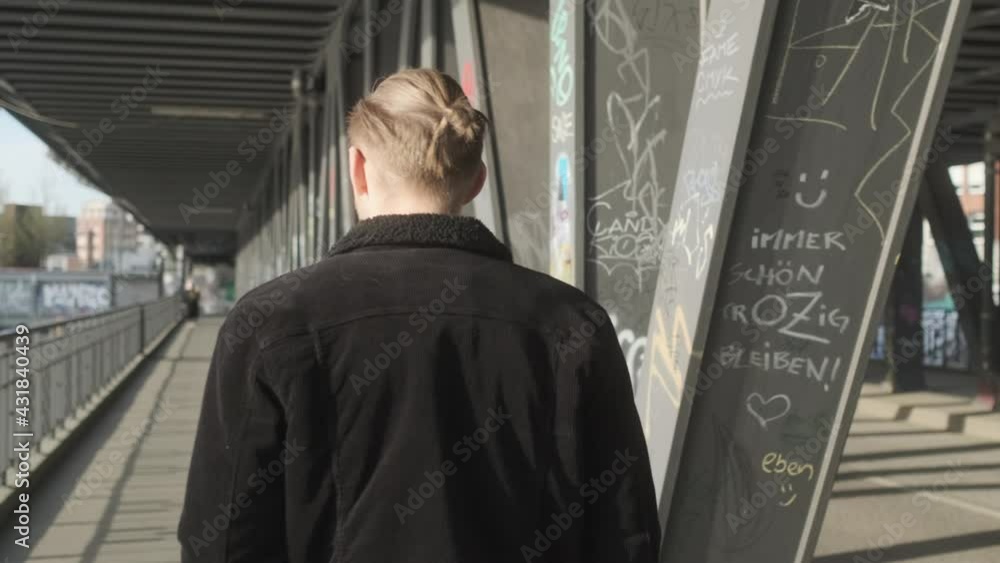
column 563, row 178
column 468, row 80
column 562, row 266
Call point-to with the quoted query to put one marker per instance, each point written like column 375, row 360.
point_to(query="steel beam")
column 212, row 25
column 635, row 115
column 567, row 57
column 475, row 81
column 429, row 34
column 953, row 239
column 763, row 352
column 714, row 149
column 408, row 27
column 906, row 338
column 989, row 314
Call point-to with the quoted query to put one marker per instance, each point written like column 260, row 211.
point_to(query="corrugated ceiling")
column 234, row 61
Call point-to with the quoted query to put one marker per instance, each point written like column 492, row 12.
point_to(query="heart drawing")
column 768, row 410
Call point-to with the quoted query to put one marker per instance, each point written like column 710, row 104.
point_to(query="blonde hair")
column 421, row 124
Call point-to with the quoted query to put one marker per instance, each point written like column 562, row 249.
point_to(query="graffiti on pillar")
column 636, row 104
column 629, row 242
column 562, row 191
column 17, row 297
column 658, row 17
column 561, row 75
column 65, row 299
column 562, row 223
column 562, row 127
column 717, row 78
column 846, row 105
column 893, row 33
column 693, row 227
column 633, row 346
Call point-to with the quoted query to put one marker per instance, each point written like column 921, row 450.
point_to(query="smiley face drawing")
column 819, row 197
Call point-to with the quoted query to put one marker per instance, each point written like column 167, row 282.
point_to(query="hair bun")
column 424, row 124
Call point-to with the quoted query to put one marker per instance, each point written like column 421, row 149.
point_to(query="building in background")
column 970, row 183
column 63, row 262
column 105, row 236
column 144, row 258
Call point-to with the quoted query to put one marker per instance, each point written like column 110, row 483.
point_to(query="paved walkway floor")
column 923, row 495
column 130, row 471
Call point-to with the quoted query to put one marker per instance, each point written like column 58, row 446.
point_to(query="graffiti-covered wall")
column 47, row 296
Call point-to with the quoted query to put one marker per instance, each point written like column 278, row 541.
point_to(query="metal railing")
column 944, row 342
column 945, row 345
column 69, row 363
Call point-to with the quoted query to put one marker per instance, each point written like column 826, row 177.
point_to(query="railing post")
column 142, row 328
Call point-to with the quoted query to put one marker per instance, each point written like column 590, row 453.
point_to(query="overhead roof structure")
column 180, row 86
column 974, row 94
column 225, row 67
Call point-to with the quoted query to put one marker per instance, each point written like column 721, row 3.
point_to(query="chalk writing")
column 768, row 410
column 562, row 127
column 822, row 370
column 791, row 313
column 852, row 38
column 799, row 239
column 800, row 197
column 777, row 463
column 693, row 228
column 660, row 18
column 717, row 77
column 783, row 274
column 632, row 110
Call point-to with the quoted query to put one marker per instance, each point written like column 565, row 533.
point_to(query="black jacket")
column 416, row 397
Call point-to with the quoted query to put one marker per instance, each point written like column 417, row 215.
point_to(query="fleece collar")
column 423, row 230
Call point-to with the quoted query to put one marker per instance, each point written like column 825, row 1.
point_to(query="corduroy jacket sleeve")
column 620, row 502
column 234, row 506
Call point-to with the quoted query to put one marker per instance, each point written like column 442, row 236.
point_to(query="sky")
column 25, row 169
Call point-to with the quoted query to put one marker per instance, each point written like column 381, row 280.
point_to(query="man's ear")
column 477, row 184
column 356, row 161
